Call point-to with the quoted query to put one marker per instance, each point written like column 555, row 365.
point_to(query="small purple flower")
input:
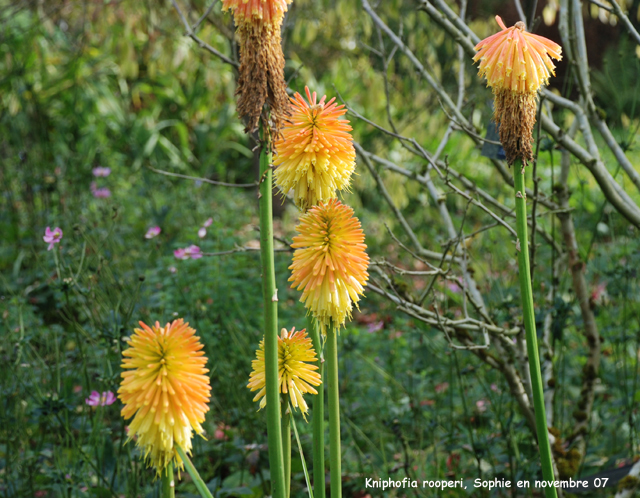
column 375, row 326
column 97, row 399
column 192, row 252
column 52, row 237
column 207, row 223
column 181, row 254
column 100, row 171
column 202, row 232
column 152, row 232
column 453, row 286
column 100, row 193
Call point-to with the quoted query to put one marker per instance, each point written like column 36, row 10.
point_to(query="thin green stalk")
column 304, row 463
column 335, row 464
column 317, row 421
column 526, row 292
column 270, row 297
column 168, row 484
column 191, row 470
column 286, row 443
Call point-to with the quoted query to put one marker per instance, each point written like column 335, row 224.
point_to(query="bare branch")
column 615, row 196
column 244, row 249
column 625, row 20
column 444, row 96
column 202, row 44
column 204, row 16
column 467, row 324
column 590, row 329
column 630, row 491
column 204, row 180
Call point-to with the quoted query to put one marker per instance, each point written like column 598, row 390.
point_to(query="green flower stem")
column 168, row 484
column 270, row 297
column 317, row 414
column 302, row 460
column 191, row 470
column 526, row 292
column 335, row 464
column 286, row 443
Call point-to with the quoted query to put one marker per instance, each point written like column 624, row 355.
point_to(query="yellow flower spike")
column 516, row 65
column 330, row 263
column 295, row 375
column 164, row 385
column 315, row 155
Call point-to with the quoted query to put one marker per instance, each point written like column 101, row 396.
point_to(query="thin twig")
column 195, row 27
column 244, row 249
column 625, row 20
column 204, row 180
column 202, row 44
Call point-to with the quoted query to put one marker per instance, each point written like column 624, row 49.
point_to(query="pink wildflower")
column 453, row 286
column 220, row 433
column 207, row 223
column 97, row 399
column 52, row 237
column 100, row 193
column 192, row 252
column 181, row 254
column 202, row 232
column 152, row 232
column 100, row 171
column 375, row 326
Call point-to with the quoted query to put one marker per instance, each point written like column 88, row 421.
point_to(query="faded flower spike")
column 268, row 12
column 164, row 384
column 261, row 73
column 295, row 375
column 330, row 263
column 315, row 154
column 516, row 64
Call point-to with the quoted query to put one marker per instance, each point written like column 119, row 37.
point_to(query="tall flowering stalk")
column 330, row 267
column 297, row 376
column 315, row 158
column 166, row 390
column 262, row 98
column 516, row 64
